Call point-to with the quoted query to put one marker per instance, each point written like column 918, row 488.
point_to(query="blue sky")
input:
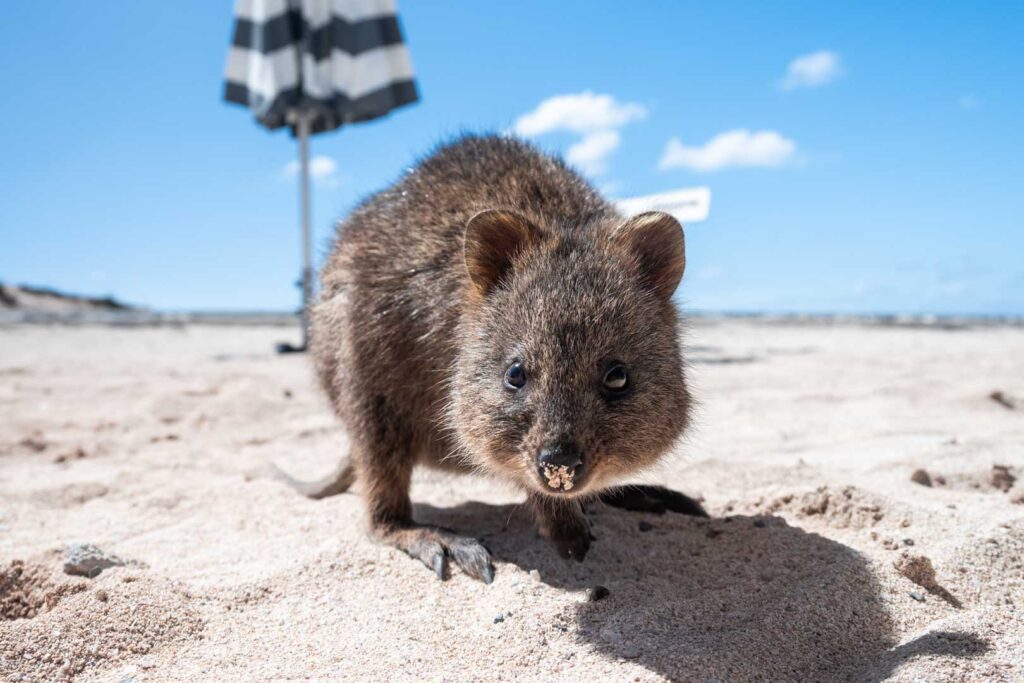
column 882, row 167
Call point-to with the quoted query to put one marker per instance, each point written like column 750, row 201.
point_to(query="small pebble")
column 83, row 559
column 102, row 596
column 1002, row 478
column 630, row 652
column 908, row 541
column 598, row 593
column 760, row 523
column 644, row 525
column 921, row 477
column 1003, row 400
column 498, row 618
column 535, row 575
column 917, row 596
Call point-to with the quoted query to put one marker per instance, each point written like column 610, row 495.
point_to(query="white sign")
column 688, row 206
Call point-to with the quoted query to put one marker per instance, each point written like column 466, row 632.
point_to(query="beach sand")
column 823, row 560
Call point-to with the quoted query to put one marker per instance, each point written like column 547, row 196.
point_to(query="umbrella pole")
column 306, row 282
column 307, row 242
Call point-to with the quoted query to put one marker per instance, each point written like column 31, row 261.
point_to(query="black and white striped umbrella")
column 315, row 65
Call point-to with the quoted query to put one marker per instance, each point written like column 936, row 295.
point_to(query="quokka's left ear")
column 656, row 240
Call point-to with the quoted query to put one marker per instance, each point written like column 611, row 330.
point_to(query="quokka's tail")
column 334, row 483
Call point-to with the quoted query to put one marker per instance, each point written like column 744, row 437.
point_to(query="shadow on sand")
column 738, row 598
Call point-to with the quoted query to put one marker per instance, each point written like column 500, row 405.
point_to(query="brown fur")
column 426, row 301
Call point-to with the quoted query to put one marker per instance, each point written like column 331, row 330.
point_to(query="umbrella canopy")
column 315, row 65
column 337, row 61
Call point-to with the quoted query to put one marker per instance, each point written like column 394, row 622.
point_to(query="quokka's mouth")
column 560, row 477
column 560, row 480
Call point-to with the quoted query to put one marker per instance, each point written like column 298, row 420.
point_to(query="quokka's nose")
column 561, row 454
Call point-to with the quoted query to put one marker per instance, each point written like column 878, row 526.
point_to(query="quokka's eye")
column 515, row 376
column 616, row 380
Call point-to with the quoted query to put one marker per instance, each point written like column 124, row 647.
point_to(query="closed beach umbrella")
column 313, row 66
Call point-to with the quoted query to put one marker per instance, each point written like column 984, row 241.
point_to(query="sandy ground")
column 823, row 560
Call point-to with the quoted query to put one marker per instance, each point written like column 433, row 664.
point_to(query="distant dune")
column 45, row 299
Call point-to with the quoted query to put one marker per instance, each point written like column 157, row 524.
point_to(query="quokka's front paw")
column 435, row 546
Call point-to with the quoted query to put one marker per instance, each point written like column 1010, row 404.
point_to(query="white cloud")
column 734, row 148
column 596, row 118
column 322, row 169
column 969, row 102
column 812, row 71
column 584, row 112
column 591, row 153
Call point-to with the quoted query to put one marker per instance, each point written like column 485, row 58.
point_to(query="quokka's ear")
column 656, row 240
column 493, row 240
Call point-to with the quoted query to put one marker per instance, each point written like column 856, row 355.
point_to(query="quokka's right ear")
column 493, row 240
